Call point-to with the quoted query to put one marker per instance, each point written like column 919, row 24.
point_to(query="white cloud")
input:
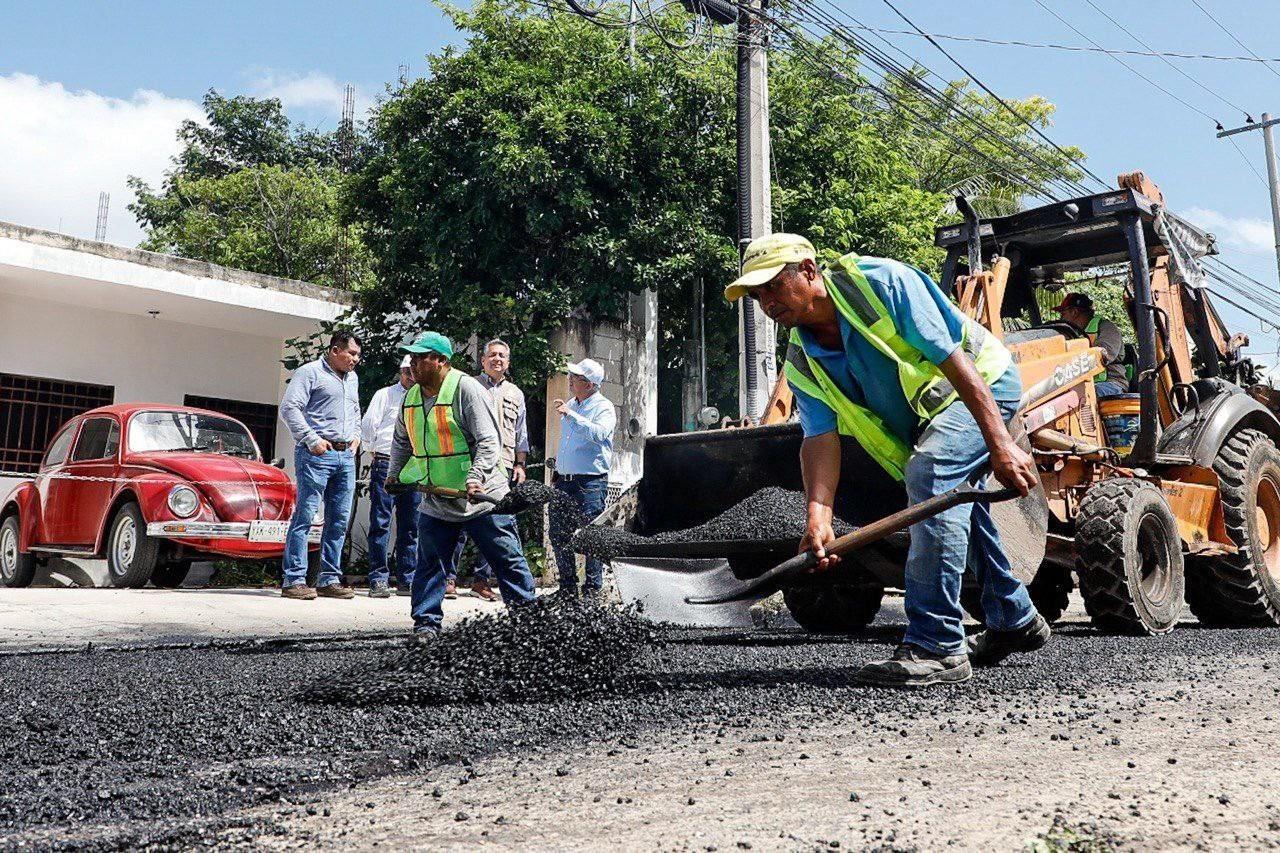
column 1236, row 232
column 313, row 90
column 60, row 148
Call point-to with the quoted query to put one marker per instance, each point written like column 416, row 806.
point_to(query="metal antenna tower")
column 346, row 156
column 100, row 232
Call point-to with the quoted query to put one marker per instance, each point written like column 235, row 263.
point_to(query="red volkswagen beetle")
column 151, row 488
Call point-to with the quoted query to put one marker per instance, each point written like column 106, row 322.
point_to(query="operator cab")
column 1141, row 263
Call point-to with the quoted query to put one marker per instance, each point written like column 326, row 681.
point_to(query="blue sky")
column 91, row 91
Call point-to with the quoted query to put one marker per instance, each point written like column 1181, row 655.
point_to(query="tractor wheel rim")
column 1156, row 576
column 1266, row 516
column 8, row 552
column 126, row 542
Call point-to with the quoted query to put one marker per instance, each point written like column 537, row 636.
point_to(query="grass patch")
column 1069, row 837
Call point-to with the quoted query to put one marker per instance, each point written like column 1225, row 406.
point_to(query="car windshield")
column 158, row 432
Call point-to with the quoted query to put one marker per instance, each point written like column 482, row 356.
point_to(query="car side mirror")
column 278, row 462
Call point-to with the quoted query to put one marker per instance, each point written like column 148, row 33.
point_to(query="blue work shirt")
column 320, row 404
column 924, row 317
column 586, row 436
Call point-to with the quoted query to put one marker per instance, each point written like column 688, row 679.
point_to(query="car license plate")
column 268, row 531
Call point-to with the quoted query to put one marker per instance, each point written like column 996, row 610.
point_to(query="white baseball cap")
column 588, row 369
column 404, row 362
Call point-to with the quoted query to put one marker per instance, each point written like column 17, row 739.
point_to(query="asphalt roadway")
column 722, row 741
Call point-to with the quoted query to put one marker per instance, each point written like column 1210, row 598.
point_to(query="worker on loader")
column 1077, row 309
column 878, row 353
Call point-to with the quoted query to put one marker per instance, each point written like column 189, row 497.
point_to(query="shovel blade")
column 662, row 587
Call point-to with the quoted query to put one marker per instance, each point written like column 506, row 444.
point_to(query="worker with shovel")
column 878, row 353
column 447, row 444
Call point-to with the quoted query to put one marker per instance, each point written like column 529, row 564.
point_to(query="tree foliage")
column 536, row 172
column 248, row 189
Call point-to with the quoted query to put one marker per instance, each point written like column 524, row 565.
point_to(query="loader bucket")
column 691, row 477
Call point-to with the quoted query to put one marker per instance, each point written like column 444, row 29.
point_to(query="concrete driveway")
column 39, row 618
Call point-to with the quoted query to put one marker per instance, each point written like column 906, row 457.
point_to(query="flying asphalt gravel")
column 115, row 750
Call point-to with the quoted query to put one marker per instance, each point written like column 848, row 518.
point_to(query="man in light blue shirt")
column 928, row 393
column 583, row 458
column 321, row 408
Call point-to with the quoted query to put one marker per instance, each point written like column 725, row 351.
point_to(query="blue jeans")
column 1110, row 388
column 482, row 571
column 952, row 451
column 330, row 477
column 381, row 506
column 498, row 539
column 586, row 501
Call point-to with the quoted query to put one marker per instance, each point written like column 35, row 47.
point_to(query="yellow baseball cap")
column 765, row 257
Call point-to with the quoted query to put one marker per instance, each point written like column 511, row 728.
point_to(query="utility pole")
column 757, row 334
column 1273, row 172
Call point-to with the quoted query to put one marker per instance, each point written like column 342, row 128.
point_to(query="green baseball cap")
column 430, row 342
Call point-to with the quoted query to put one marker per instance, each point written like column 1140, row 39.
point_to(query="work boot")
column 992, row 646
column 480, row 589
column 912, row 666
column 451, row 589
column 425, row 633
column 299, row 591
column 334, row 590
column 379, row 589
column 404, row 589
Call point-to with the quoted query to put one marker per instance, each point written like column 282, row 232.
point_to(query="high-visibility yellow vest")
column 924, row 386
column 1092, row 331
column 441, row 456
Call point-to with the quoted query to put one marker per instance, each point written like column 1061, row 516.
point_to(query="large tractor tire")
column 845, row 607
column 1130, row 564
column 1243, row 588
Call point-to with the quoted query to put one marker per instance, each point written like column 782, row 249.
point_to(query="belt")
column 339, row 445
column 378, row 456
column 569, row 478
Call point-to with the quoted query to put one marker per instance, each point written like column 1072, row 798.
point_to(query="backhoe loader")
column 1183, row 506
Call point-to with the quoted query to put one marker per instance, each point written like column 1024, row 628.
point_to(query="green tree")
column 248, row 189
column 536, row 173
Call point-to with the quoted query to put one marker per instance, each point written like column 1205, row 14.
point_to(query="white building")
column 84, row 324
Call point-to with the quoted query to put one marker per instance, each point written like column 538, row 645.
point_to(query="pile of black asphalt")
column 169, row 748
column 552, row 648
column 767, row 515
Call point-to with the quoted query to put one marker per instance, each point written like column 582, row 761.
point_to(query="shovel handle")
column 863, row 536
column 445, row 492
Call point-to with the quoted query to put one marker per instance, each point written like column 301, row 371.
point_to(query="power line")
column 893, row 69
column 1129, row 33
column 814, row 60
column 841, row 31
column 1236, row 40
column 1000, row 100
column 1072, row 48
column 1133, row 70
column 1248, row 162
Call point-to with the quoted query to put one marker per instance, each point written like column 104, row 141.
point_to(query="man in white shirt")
column 377, row 429
column 587, row 423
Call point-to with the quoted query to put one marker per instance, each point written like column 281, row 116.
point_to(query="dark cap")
column 1076, row 300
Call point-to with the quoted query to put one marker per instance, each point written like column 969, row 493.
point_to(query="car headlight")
column 183, row 501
